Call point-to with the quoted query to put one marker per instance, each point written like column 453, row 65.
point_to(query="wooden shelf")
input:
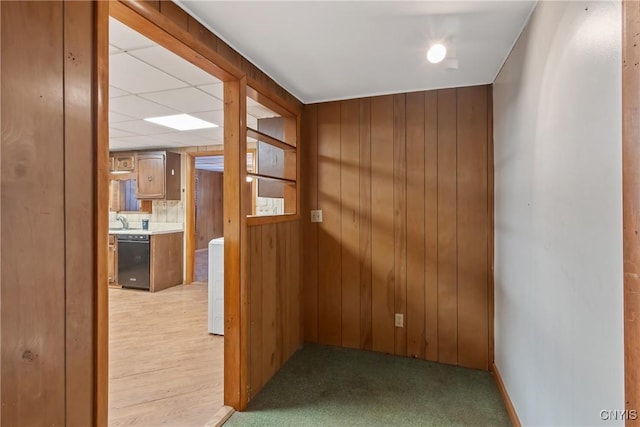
column 263, row 137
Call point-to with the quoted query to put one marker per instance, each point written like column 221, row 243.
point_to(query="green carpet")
column 329, row 386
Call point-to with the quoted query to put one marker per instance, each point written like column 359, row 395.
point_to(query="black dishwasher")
column 133, row 261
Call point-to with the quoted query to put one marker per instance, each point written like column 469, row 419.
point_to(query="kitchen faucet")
column 123, row 221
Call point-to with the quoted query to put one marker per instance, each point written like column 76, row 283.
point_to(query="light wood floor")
column 164, row 367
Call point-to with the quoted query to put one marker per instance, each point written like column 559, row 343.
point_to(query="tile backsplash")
column 162, row 211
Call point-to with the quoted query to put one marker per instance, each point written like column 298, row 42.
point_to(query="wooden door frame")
column 161, row 31
column 190, row 210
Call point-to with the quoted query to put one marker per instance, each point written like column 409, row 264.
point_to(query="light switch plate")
column 316, row 216
column 399, row 320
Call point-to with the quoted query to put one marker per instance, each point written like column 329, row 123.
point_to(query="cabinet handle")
column 149, row 178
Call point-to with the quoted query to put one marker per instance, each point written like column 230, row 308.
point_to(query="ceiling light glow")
column 181, row 122
column 436, row 53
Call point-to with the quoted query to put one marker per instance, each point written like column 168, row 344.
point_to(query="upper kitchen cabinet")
column 158, row 175
column 123, row 162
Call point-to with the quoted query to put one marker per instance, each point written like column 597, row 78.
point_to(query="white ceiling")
column 147, row 80
column 338, row 50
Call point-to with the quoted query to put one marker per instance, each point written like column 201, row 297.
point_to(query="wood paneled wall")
column 403, row 183
column 275, row 299
column 48, row 222
column 209, row 214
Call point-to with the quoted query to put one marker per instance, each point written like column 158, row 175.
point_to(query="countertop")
column 154, row 228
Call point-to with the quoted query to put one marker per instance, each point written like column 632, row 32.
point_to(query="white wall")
column 558, row 216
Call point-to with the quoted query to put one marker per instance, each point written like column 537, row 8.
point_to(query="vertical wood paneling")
column 365, row 224
column 631, row 201
column 255, row 289
column 413, row 202
column 269, row 302
column 447, row 233
column 350, row 221
column 310, row 235
column 32, row 221
column 275, row 294
column 329, row 263
column 382, row 242
column 472, row 227
column 415, row 314
column 400, row 217
column 431, row 223
column 80, row 226
column 490, row 243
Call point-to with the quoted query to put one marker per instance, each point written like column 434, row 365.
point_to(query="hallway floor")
column 328, row 386
column 164, row 367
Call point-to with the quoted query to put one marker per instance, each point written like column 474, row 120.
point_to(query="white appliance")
column 216, row 286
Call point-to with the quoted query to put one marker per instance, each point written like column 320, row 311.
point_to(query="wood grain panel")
column 431, row 223
column 365, row 225
column 208, row 207
column 631, row 201
column 32, row 214
column 415, row 311
column 269, row 302
column 472, row 227
column 447, row 233
column 421, row 180
column 310, row 235
column 490, row 231
column 350, row 221
column 400, row 217
column 275, row 294
column 382, row 242
column 80, row 162
column 329, row 260
column 255, row 290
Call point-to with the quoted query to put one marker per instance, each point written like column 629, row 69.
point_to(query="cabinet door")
column 150, row 176
column 112, row 272
column 124, row 162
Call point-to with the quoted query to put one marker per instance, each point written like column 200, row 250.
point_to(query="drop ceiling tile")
column 125, row 38
column 185, row 100
column 113, row 49
column 131, row 74
column 116, row 117
column 138, row 108
column 216, row 90
column 114, row 92
column 170, row 63
column 215, row 117
column 117, row 133
column 209, row 134
column 141, row 127
column 181, row 138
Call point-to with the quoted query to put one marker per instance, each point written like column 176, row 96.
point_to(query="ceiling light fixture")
column 436, row 53
column 181, row 122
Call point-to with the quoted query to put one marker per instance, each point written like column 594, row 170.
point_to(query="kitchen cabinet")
column 158, row 175
column 113, row 260
column 123, row 162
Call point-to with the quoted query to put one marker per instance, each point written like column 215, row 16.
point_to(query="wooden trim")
column 190, row 222
column 102, row 214
column 263, row 137
column 271, row 219
column 236, row 336
column 162, row 30
column 490, row 217
column 271, row 178
column 513, row 416
column 631, row 201
column 256, row 92
column 217, row 53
